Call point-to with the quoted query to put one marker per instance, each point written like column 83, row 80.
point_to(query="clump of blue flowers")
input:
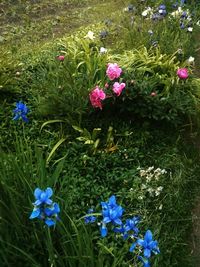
column 20, row 112
column 44, row 208
column 112, row 218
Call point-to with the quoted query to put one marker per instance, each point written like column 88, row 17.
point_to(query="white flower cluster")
column 150, row 181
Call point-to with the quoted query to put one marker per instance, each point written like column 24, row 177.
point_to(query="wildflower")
column 131, row 225
column 111, row 213
column 190, row 60
column 61, row 58
column 103, row 50
column 43, row 196
column 44, row 208
column 190, row 29
column 148, row 244
column 90, row 219
column 113, row 71
column 103, row 34
column 182, row 73
column 51, row 214
column 153, row 94
column 20, row 111
column 90, row 35
column 96, row 96
column 117, row 88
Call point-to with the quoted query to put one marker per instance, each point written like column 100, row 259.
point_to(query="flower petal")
column 37, row 193
column 49, row 192
column 147, row 253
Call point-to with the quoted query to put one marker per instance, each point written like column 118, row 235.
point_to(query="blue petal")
column 35, row 213
column 24, row 118
column 106, row 220
column 37, row 193
column 141, row 242
column 148, row 236
column 56, row 207
column 16, row 117
column 50, row 222
column 112, row 201
column 37, row 202
column 132, row 248
column 104, row 231
column 48, row 201
column 118, row 221
column 49, row 192
column 147, row 253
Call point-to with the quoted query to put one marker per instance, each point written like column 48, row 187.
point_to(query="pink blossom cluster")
column 113, row 71
column 97, row 95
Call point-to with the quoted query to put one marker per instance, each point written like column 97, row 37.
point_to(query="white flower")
column 160, row 207
column 198, row 23
column 163, row 171
column 144, row 13
column 150, row 168
column 103, row 50
column 90, row 35
column 190, row 60
column 140, row 197
column 190, row 29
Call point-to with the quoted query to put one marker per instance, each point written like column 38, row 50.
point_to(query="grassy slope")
column 28, row 23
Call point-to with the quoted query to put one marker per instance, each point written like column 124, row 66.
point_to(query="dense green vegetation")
column 139, row 144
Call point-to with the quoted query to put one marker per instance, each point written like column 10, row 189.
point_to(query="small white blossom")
column 103, row 50
column 90, row 35
column 190, row 29
column 190, row 60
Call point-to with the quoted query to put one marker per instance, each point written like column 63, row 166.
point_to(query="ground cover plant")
column 99, row 165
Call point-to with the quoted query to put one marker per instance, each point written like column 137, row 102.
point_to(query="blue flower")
column 104, row 230
column 144, row 261
column 111, row 213
column 148, row 244
column 20, row 111
column 162, row 6
column 36, row 213
column 44, row 208
column 110, row 204
column 52, row 214
column 43, row 196
column 90, row 219
column 131, row 225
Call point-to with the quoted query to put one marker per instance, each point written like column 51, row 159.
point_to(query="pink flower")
column 113, row 71
column 118, row 87
column 153, row 94
column 61, row 58
column 96, row 96
column 182, row 73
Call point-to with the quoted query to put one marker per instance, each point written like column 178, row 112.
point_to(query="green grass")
column 32, row 33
